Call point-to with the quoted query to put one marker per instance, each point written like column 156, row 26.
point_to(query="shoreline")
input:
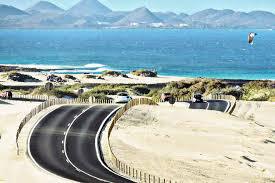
column 42, row 71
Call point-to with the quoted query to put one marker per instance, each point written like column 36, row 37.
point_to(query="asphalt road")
column 217, row 105
column 63, row 143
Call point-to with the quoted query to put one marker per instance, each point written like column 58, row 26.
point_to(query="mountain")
column 88, row 8
column 212, row 18
column 93, row 14
column 45, row 7
column 6, row 10
column 169, row 17
column 209, row 15
column 139, row 16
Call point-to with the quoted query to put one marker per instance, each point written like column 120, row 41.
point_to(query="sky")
column 178, row 6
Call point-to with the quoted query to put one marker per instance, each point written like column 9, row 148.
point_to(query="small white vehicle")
column 122, row 97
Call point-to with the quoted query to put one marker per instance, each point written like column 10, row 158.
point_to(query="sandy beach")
column 197, row 146
column 83, row 79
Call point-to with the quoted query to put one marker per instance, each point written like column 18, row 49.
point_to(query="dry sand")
column 107, row 80
column 196, row 145
column 13, row 168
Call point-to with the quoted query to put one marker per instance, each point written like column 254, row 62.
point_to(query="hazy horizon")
column 177, row 6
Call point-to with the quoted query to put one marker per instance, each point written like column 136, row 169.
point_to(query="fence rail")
column 124, row 168
column 136, row 174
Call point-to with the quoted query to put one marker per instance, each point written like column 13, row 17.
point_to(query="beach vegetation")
column 16, row 76
column 187, row 88
column 71, row 77
column 140, row 90
column 258, row 91
column 101, row 91
column 144, row 73
column 114, row 74
column 57, row 92
column 2, row 87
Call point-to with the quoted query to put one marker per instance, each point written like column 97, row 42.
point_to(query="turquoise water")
column 173, row 52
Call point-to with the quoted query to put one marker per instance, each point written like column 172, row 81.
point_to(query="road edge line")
column 65, row 151
column 99, row 151
column 28, row 145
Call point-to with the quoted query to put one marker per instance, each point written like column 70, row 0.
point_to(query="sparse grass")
column 185, row 89
column 57, row 92
column 105, row 90
column 258, row 91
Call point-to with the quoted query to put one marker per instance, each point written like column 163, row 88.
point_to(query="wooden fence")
column 123, row 168
column 230, row 98
column 136, row 174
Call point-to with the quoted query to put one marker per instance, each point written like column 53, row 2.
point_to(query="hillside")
column 87, row 8
column 6, row 10
column 139, row 16
column 44, row 7
column 94, row 14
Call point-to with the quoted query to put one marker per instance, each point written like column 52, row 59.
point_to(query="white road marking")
column 228, row 106
column 29, row 150
column 65, row 151
column 208, row 104
column 97, row 138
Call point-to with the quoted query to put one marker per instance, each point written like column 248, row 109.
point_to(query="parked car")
column 122, row 97
column 165, row 97
column 198, row 98
column 6, row 95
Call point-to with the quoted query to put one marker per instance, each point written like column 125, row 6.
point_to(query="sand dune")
column 13, row 168
column 195, row 146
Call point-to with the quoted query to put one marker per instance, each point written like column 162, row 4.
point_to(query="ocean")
column 223, row 54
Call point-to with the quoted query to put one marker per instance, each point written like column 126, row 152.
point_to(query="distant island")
column 93, row 14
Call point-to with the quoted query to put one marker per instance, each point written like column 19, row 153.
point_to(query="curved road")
column 63, row 143
column 216, row 105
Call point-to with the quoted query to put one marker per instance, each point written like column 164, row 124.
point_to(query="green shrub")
column 2, row 87
column 104, row 89
column 144, row 73
column 57, row 92
column 114, row 74
column 15, row 76
column 257, row 95
column 90, row 76
column 70, row 77
column 258, row 91
column 140, row 90
column 234, row 91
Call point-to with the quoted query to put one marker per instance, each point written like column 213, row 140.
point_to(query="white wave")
column 94, row 65
column 72, row 71
column 40, row 66
column 102, row 69
column 98, row 70
column 53, row 67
